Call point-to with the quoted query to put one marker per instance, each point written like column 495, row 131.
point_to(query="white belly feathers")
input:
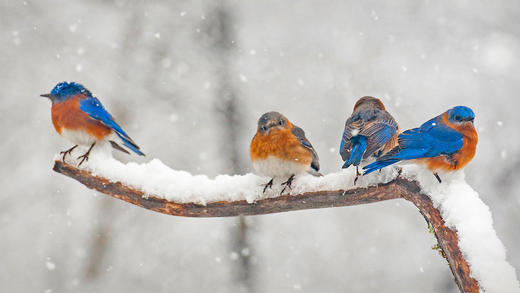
column 275, row 167
column 78, row 137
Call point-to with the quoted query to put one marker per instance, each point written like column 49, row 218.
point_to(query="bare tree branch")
column 397, row 188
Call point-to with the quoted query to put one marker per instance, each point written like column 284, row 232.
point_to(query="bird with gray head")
column 280, row 149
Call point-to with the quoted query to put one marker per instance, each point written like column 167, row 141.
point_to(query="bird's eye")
column 280, row 122
column 264, row 128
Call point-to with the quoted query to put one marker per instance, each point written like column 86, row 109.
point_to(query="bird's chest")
column 468, row 150
column 281, row 144
column 74, row 124
column 279, row 154
column 460, row 158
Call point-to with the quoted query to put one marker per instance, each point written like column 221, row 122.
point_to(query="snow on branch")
column 461, row 222
column 397, row 188
column 310, row 200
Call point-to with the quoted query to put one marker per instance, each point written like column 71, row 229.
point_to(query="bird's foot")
column 268, row 185
column 438, row 178
column 287, row 184
column 84, row 157
column 67, row 152
column 357, row 175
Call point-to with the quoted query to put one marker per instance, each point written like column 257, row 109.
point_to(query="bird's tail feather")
column 118, row 147
column 378, row 165
column 127, row 142
column 359, row 147
column 314, row 173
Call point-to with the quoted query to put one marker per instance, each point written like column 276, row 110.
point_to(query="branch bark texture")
column 398, row 188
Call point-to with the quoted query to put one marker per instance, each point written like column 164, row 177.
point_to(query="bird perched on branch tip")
column 80, row 117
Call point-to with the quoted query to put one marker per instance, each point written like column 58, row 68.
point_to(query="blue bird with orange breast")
column 445, row 143
column 79, row 117
column 280, row 149
column 369, row 131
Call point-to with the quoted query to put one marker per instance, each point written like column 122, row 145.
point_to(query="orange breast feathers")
column 280, row 143
column 68, row 115
column 462, row 157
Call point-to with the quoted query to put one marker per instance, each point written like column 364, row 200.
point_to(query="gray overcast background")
column 188, row 81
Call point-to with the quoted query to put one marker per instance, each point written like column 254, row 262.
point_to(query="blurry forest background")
column 188, row 81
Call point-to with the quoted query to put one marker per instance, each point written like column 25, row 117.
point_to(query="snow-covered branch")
column 399, row 187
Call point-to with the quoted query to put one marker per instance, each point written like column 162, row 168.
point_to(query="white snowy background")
column 164, row 69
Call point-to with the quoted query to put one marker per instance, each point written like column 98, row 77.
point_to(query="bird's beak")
column 47, row 95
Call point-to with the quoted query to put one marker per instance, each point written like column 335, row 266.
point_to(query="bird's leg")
column 268, row 184
column 357, row 175
column 84, row 157
column 67, row 152
column 287, row 183
column 437, row 176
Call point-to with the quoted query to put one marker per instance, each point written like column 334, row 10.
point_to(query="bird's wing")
column 378, row 132
column 377, row 126
column 300, row 134
column 345, row 146
column 432, row 139
column 93, row 107
column 353, row 126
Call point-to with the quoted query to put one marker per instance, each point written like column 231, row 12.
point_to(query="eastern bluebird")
column 79, row 117
column 447, row 142
column 280, row 149
column 369, row 131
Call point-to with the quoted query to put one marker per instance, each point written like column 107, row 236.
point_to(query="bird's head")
column 461, row 115
column 64, row 90
column 369, row 103
column 270, row 121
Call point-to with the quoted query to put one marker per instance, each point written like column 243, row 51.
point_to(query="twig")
column 397, row 188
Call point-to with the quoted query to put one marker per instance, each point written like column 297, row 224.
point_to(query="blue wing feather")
column 93, row 107
column 432, row 139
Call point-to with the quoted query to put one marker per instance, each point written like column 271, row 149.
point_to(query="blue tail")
column 394, row 156
column 130, row 144
column 378, row 165
column 358, row 149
